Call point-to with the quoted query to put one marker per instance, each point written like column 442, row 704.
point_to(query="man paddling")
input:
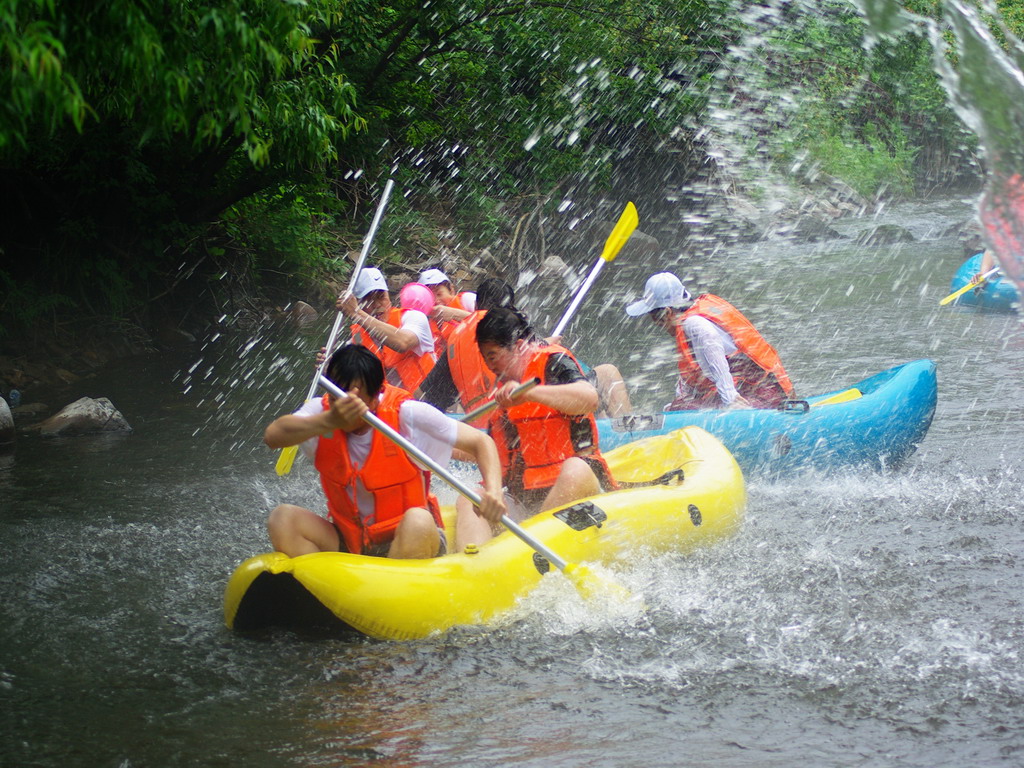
column 723, row 361
column 378, row 500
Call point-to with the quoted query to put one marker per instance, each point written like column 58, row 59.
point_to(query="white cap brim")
column 638, row 308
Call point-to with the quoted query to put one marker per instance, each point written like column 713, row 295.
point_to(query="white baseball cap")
column 370, row 279
column 433, row 277
column 662, row 290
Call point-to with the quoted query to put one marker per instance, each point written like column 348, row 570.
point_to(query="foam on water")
column 831, row 591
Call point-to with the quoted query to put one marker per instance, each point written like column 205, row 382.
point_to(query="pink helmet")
column 416, row 296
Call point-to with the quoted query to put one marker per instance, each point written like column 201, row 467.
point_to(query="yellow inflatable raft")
column 678, row 490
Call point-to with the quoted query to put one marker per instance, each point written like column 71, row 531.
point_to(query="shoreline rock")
column 698, row 221
column 85, row 416
column 6, row 425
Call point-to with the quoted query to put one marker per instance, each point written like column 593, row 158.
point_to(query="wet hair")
column 354, row 363
column 503, row 326
column 493, row 293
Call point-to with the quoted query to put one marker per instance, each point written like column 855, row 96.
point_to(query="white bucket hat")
column 662, row 290
column 433, row 277
column 370, row 279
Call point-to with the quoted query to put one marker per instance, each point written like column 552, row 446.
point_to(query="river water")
column 855, row 620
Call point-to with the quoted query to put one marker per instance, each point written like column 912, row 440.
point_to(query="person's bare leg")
column 416, row 536
column 297, row 531
column 576, row 481
column 611, row 387
column 470, row 528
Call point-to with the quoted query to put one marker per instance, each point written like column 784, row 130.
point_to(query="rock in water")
column 85, row 416
column 6, row 424
column 302, row 315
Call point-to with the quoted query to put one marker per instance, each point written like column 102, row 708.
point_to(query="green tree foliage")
column 126, row 126
column 875, row 117
column 486, row 102
column 146, row 144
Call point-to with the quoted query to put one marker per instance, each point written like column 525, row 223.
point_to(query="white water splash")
column 985, row 86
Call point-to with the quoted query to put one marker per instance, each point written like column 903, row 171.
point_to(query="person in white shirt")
column 451, row 306
column 402, row 339
column 378, row 499
column 723, row 361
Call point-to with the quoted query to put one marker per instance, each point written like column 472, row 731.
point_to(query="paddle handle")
column 970, row 284
column 621, row 232
column 377, row 423
column 490, row 405
column 578, row 298
column 367, row 242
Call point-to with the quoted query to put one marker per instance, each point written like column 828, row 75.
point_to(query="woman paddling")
column 547, row 436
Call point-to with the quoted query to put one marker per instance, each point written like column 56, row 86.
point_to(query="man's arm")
column 709, row 353
column 575, row 399
column 398, row 339
column 292, row 429
column 568, row 391
column 449, row 314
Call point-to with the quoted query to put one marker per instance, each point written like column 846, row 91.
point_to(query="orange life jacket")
column 388, row 473
column 766, row 373
column 440, row 336
column 402, row 369
column 448, row 327
column 472, row 378
column 534, row 440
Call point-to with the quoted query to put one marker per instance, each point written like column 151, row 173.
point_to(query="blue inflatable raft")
column 876, row 423
column 998, row 294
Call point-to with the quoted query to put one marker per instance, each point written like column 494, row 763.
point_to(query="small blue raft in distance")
column 998, row 295
column 876, row 423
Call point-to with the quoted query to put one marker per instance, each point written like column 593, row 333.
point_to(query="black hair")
column 494, row 292
column 503, row 326
column 354, row 363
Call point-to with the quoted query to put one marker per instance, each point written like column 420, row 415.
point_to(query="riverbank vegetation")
column 169, row 161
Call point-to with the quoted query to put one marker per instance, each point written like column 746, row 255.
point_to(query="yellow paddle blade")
column 624, row 227
column 958, row 293
column 286, row 459
column 591, row 585
column 973, row 283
